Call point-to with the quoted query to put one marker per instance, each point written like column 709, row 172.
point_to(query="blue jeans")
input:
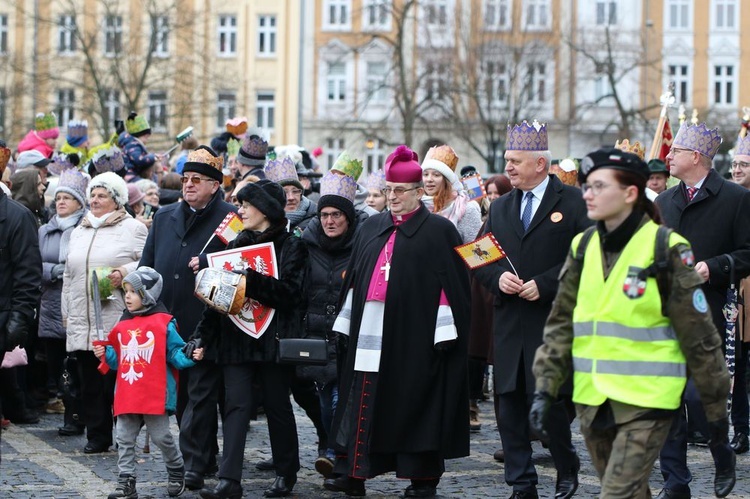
column 329, row 398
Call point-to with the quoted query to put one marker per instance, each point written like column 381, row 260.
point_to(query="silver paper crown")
column 62, row 162
column 279, row 170
column 75, row 180
column 376, row 180
column 333, row 184
column 78, row 128
column 743, row 146
column 698, row 138
column 525, row 137
column 108, row 159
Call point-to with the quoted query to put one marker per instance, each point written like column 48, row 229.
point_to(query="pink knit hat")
column 402, row 166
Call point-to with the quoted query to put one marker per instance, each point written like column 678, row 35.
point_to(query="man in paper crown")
column 43, row 137
column 712, row 214
column 534, row 224
column 252, row 154
column 173, row 248
column 403, row 332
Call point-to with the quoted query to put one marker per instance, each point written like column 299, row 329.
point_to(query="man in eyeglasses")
column 403, row 333
column 178, row 234
column 712, row 214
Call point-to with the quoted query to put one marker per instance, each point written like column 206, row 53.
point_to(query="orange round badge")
column 556, row 217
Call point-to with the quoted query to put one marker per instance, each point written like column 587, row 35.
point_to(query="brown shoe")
column 474, row 424
column 499, row 455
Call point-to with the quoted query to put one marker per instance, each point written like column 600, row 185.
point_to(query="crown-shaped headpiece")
column 78, row 128
column 376, row 180
column 348, row 165
column 254, row 148
column 343, row 186
column 45, row 121
column 237, row 126
column 201, row 155
column 445, row 154
column 137, row 124
column 62, row 162
column 743, row 146
column 698, row 138
column 525, row 137
column 634, row 148
column 73, row 179
column 233, row 147
column 108, row 159
column 280, row 170
column 4, row 157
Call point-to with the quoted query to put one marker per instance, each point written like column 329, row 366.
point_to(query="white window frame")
column 435, row 81
column 375, row 155
column 541, row 20
column 227, row 35
column 4, row 36
column 724, row 85
column 496, row 73
column 334, row 147
column 160, row 36
column 376, row 15
column 337, row 83
column 265, row 110
column 724, row 15
column 113, row 35
column 536, row 82
column 112, row 105
column 502, row 14
column 65, row 108
column 679, row 15
column 682, row 81
column 606, row 12
column 337, row 15
column 267, row 36
column 376, row 85
column 226, row 108
column 66, row 34
column 436, row 13
column 157, row 110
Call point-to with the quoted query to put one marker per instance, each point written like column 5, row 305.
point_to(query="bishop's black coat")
column 422, row 391
column 537, row 254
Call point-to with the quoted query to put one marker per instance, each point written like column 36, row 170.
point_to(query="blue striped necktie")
column 526, row 216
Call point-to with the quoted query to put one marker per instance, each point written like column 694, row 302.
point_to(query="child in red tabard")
column 146, row 349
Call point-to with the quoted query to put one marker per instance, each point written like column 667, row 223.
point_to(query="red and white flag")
column 229, row 228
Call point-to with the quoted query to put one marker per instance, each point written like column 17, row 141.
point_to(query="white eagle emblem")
column 133, row 353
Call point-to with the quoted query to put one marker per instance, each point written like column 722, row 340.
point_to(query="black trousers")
column 512, row 412
column 97, row 394
column 200, row 423
column 274, row 380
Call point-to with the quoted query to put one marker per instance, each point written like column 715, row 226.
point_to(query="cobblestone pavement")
column 36, row 462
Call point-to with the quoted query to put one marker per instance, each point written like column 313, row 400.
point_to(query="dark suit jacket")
column 716, row 222
column 537, row 254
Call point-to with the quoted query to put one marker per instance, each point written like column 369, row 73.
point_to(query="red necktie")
column 691, row 191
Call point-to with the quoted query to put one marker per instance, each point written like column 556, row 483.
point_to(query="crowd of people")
column 605, row 301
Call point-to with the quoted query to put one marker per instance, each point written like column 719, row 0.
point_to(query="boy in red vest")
column 140, row 347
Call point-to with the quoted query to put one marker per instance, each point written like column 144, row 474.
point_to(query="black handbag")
column 71, row 384
column 302, row 351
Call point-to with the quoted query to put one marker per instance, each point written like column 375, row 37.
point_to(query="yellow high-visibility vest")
column 624, row 349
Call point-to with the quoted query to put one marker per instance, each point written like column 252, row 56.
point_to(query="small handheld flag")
column 229, row 228
column 481, row 252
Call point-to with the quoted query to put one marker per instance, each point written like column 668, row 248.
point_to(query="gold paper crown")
column 445, row 154
column 237, row 126
column 4, row 157
column 634, row 148
column 203, row 156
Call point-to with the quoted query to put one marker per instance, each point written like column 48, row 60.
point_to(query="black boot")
column 176, row 481
column 226, row 489
column 72, row 424
column 281, row 487
column 125, row 488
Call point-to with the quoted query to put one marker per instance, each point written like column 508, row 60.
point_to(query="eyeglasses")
column 596, row 187
column 296, row 192
column 675, row 150
column 336, row 215
column 740, row 164
column 196, row 180
column 398, row 191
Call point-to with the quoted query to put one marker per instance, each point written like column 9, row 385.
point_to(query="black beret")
column 612, row 158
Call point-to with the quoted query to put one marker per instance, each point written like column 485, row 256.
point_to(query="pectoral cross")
column 387, row 269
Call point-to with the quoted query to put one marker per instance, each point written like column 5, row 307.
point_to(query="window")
column 435, row 81
column 336, row 82
column 497, row 81
column 112, row 36
column 679, row 75
column 334, row 147
column 723, row 85
column 679, row 13
column 226, row 108
column 375, row 155
column 264, row 110
column 376, row 14
column 336, row 14
column 3, row 33
column 112, row 105
column 376, row 84
column 725, row 14
column 160, row 36
column 66, row 98
column 606, row 12
column 267, row 35
column 535, row 82
column 497, row 14
column 66, row 39
column 436, row 12
column 537, row 14
column 3, row 101
column 157, row 111
column 227, row 36
column 602, row 88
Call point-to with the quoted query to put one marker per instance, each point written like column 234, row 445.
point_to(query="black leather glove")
column 540, row 406
column 240, row 271
column 18, row 331
column 190, row 347
column 724, row 457
column 57, row 270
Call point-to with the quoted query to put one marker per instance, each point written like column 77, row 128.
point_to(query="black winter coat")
column 171, row 243
column 225, row 343
column 20, row 264
column 716, row 223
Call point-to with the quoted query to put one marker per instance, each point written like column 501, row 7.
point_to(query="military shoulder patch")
column 687, row 257
column 699, row 301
